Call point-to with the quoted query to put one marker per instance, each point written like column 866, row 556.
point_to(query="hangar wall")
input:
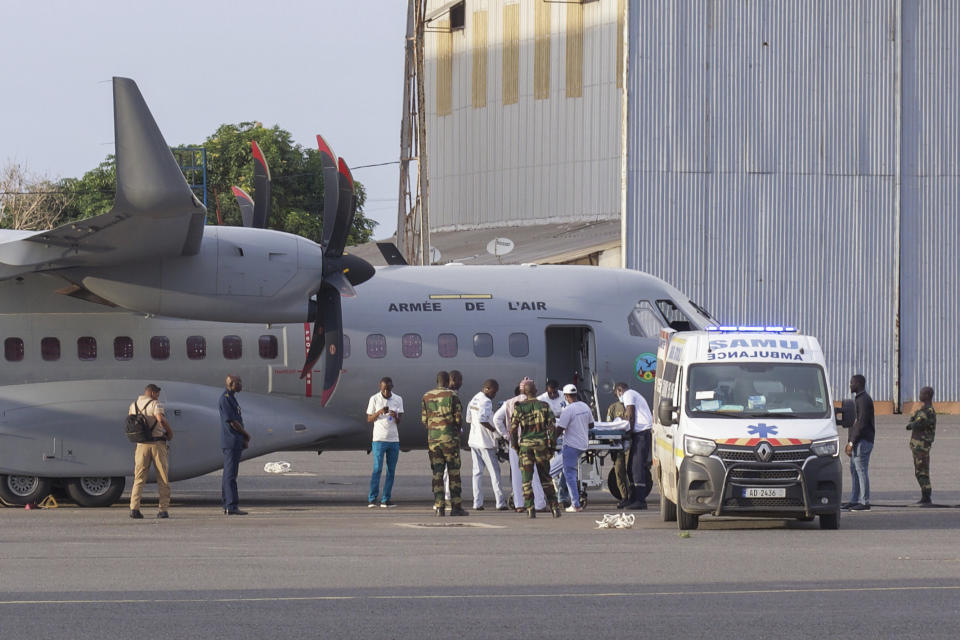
column 523, row 112
column 799, row 162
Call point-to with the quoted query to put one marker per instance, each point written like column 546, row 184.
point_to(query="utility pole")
column 413, row 222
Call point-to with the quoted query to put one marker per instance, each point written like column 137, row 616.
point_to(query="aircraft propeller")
column 340, row 271
column 256, row 213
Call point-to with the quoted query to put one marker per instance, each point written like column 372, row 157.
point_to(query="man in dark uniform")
column 533, row 435
column 860, row 445
column 233, row 440
column 442, row 415
column 923, row 425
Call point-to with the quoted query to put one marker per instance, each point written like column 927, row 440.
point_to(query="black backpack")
column 138, row 429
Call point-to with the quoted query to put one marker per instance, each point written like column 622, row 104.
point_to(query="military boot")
column 440, row 511
column 531, row 512
column 924, row 498
column 555, row 509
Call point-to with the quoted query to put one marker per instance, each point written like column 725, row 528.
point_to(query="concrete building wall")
column 523, row 112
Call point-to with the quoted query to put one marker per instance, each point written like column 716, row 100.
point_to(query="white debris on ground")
column 616, row 521
column 276, row 467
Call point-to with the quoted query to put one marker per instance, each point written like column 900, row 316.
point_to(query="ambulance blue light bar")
column 772, row 329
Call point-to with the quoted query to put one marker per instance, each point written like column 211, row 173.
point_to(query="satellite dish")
column 500, row 246
column 434, row 255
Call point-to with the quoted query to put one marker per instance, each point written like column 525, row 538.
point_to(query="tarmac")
column 312, row 561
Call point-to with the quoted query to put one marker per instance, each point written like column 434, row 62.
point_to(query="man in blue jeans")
column 860, row 445
column 233, row 440
column 384, row 410
column 575, row 422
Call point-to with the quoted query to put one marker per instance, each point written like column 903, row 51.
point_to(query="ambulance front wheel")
column 687, row 521
column 668, row 510
column 830, row 520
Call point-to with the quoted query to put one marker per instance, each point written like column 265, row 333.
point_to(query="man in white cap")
column 574, row 423
column 501, row 420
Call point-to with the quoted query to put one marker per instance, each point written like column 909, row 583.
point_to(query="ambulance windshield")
column 752, row 389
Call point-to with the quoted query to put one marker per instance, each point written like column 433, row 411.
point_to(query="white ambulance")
column 744, row 425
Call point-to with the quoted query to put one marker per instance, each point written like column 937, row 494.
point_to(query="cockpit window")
column 676, row 318
column 706, row 314
column 644, row 320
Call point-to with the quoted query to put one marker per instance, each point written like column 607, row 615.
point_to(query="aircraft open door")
column 571, row 358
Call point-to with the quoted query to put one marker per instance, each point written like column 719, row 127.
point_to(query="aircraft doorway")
column 571, row 358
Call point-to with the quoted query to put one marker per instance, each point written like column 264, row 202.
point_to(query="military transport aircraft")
column 92, row 311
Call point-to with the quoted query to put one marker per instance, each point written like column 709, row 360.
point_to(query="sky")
column 333, row 67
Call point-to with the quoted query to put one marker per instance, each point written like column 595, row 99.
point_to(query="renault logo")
column 764, row 452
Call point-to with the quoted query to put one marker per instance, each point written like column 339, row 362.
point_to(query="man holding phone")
column 384, row 410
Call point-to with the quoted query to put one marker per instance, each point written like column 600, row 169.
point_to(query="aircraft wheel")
column 612, row 485
column 95, row 491
column 21, row 490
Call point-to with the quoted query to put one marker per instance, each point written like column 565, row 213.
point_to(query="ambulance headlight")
column 828, row 448
column 698, row 446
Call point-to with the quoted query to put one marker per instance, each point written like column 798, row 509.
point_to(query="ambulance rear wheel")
column 668, row 510
column 687, row 521
column 95, row 491
column 830, row 520
column 22, row 490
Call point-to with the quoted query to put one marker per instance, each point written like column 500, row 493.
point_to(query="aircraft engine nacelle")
column 239, row 275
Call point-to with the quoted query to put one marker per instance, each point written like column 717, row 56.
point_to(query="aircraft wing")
column 154, row 214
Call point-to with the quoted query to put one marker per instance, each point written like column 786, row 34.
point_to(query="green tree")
column 296, row 198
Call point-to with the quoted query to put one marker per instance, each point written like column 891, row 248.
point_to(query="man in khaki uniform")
column 153, row 452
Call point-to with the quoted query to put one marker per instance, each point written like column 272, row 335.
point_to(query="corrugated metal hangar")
column 782, row 162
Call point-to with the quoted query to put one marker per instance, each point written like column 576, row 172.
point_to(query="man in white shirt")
column 641, row 425
column 483, row 444
column 553, row 398
column 501, row 420
column 574, row 422
column 384, row 410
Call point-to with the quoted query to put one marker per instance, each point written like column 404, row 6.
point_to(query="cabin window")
column 644, row 320
column 519, row 345
column 447, row 345
column 50, row 349
column 196, row 347
column 232, row 347
column 376, row 345
column 87, row 348
column 13, row 349
column 268, row 347
column 677, row 319
column 159, row 347
column 482, row 345
column 123, row 348
column 346, row 346
column 412, row 345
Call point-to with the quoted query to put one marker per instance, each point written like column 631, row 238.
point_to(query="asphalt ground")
column 311, row 561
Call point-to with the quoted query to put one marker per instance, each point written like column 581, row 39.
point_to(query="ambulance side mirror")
column 665, row 412
column 846, row 414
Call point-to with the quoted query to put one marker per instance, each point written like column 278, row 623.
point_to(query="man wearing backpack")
column 153, row 451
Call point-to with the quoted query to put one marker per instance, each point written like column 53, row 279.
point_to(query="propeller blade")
column 261, row 186
column 341, row 283
column 246, row 205
column 346, row 208
column 327, row 341
column 331, row 191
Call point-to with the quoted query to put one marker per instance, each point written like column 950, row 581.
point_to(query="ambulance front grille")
column 763, row 502
column 747, row 454
column 753, row 474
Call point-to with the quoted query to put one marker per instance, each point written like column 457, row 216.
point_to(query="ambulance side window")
column 644, row 320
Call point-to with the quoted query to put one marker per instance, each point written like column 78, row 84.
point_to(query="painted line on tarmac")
column 487, row 596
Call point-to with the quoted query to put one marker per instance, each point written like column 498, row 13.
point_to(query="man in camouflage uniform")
column 532, row 435
column 442, row 415
column 619, row 458
column 923, row 425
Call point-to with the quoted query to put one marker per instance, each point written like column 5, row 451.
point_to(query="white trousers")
column 539, row 501
column 486, row 459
